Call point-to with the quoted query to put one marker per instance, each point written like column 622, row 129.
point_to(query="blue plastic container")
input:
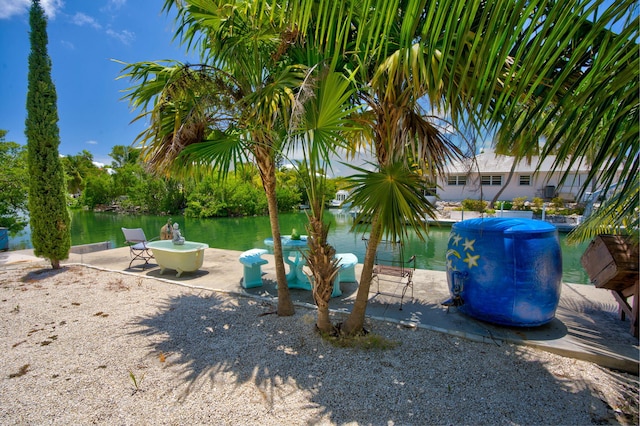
column 4, row 239
column 505, row 271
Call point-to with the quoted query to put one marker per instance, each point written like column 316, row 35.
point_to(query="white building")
column 341, row 196
column 484, row 177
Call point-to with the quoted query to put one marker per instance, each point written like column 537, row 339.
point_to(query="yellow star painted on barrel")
column 472, row 260
column 456, row 239
column 468, row 244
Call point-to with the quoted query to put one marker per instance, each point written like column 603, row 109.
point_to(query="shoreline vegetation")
column 126, row 187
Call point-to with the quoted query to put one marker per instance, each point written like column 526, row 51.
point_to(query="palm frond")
column 219, row 151
column 393, row 192
column 617, row 215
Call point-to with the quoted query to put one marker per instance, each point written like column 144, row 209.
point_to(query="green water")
column 250, row 232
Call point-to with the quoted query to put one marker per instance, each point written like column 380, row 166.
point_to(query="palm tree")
column 322, row 126
column 408, row 146
column 594, row 120
column 232, row 108
column 488, row 65
column 576, row 59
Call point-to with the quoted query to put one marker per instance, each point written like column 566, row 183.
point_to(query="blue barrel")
column 505, row 271
column 4, row 239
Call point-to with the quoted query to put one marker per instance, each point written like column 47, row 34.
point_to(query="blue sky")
column 84, row 37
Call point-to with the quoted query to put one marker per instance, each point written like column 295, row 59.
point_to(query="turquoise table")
column 292, row 254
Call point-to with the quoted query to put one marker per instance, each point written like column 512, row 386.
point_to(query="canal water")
column 249, row 232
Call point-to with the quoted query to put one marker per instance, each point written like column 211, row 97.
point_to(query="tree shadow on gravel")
column 213, row 344
column 43, row 273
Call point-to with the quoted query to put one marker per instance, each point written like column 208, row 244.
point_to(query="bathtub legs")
column 179, row 271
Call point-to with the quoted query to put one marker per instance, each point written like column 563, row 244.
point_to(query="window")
column 525, row 180
column 491, row 180
column 430, row 191
column 457, row 180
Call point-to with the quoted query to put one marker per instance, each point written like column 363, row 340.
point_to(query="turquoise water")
column 249, row 232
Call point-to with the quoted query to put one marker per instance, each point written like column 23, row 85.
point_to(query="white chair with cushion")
column 137, row 242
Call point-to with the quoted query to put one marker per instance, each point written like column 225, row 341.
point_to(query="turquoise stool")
column 347, row 272
column 252, row 267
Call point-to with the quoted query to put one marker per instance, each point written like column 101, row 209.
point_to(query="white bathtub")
column 183, row 258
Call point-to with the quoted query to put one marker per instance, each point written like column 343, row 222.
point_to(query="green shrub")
column 246, row 199
column 206, row 208
column 538, row 202
column 98, row 190
column 504, row 205
column 577, row 209
column 519, row 203
column 288, row 199
column 557, row 202
column 474, row 205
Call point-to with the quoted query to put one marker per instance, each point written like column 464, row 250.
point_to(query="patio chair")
column 391, row 265
column 137, row 242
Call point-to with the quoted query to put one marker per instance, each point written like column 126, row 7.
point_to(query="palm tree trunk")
column 324, row 266
column 355, row 321
column 268, row 170
column 509, row 176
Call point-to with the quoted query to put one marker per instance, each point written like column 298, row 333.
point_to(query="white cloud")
column 116, row 4
column 81, row 19
column 10, row 8
column 92, row 142
column 113, row 6
column 124, row 36
column 51, row 7
column 68, row 45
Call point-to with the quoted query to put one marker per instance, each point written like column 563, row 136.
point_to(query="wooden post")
column 626, row 309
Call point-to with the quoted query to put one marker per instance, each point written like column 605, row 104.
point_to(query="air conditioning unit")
column 549, row 191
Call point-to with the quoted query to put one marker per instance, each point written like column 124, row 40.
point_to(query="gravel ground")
column 81, row 346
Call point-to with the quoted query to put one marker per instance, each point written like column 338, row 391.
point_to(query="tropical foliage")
column 49, row 218
column 128, row 187
column 566, row 70
column 77, row 169
column 241, row 194
column 320, row 129
column 521, row 69
column 560, row 72
column 232, row 108
column 14, row 181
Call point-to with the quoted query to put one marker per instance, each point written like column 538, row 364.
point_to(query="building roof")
column 490, row 162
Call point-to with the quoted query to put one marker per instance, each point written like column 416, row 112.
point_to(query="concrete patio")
column 586, row 325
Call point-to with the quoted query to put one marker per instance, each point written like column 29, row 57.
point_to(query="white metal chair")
column 390, row 262
column 137, row 242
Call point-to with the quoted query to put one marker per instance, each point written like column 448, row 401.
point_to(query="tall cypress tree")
column 49, row 217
